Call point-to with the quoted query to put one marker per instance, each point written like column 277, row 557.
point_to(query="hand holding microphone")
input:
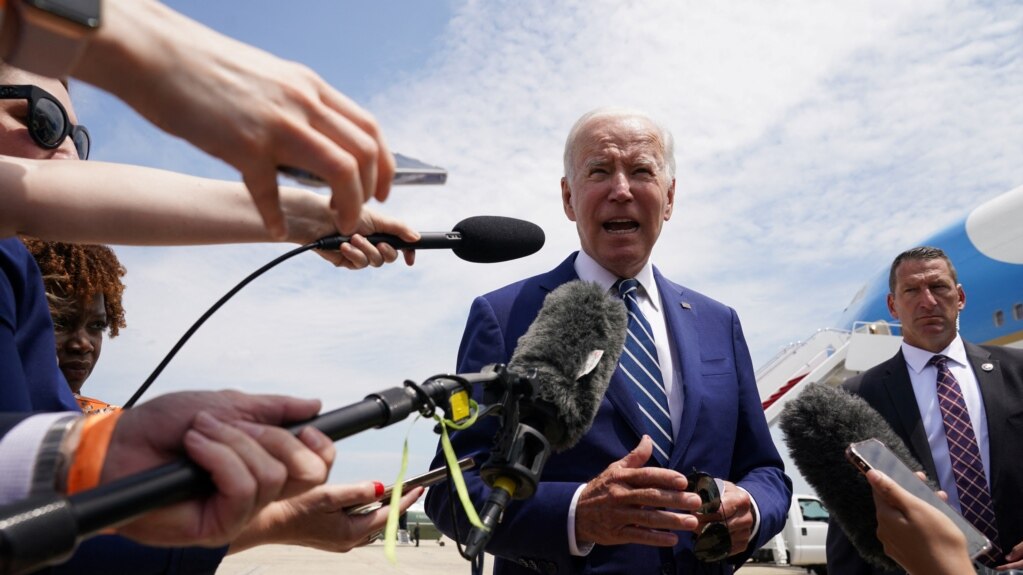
column 359, row 252
column 233, row 436
column 479, row 239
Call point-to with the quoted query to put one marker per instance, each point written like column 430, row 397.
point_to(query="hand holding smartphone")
column 408, row 171
column 872, row 454
column 427, row 479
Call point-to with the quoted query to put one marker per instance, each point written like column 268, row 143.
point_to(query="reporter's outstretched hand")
column 358, row 252
column 236, row 438
column 245, row 106
column 316, row 519
column 915, row 534
column 74, row 202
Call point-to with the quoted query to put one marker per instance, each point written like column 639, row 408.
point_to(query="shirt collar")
column 589, row 270
column 917, row 358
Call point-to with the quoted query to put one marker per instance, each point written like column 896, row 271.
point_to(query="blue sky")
column 815, row 141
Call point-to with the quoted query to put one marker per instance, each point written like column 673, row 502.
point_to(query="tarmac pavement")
column 427, row 559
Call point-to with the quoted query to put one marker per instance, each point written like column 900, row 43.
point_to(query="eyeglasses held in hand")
column 48, row 122
column 714, row 542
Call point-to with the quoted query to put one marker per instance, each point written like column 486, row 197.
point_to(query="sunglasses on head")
column 48, row 122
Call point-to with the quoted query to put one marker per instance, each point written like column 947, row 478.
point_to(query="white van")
column 802, row 541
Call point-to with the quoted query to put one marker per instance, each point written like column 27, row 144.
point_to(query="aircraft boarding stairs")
column 829, row 357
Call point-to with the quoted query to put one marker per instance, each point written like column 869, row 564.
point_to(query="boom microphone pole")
column 46, row 529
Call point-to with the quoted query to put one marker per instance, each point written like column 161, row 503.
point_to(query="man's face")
column 14, row 137
column 927, row 302
column 619, row 195
column 80, row 339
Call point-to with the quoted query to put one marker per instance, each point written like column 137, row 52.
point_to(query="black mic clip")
column 520, row 449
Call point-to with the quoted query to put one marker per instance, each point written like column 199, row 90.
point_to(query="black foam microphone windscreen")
column 819, row 425
column 479, row 239
column 574, row 344
column 490, row 239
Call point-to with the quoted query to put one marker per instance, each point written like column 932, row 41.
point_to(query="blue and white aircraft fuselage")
column 986, row 248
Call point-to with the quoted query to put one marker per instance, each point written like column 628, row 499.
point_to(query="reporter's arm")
column 265, row 111
column 233, row 436
column 23, row 439
column 96, row 202
column 316, row 519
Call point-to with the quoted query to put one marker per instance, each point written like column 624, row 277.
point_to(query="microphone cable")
column 490, row 239
column 321, row 243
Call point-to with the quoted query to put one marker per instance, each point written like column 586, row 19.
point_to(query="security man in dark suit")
column 958, row 406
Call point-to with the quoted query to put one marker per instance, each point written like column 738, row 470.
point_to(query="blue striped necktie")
column 642, row 370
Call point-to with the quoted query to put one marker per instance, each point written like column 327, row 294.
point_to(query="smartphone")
column 427, row 479
column 872, row 454
column 408, row 172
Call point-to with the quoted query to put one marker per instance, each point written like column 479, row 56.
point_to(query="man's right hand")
column 629, row 503
column 236, row 438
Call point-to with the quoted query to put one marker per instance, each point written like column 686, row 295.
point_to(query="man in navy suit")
column 926, row 297
column 607, row 505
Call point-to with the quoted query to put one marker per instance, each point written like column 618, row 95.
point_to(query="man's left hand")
column 736, row 512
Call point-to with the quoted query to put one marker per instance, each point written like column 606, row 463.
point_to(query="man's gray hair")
column 667, row 140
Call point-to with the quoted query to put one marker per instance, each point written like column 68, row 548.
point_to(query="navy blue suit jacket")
column 723, row 432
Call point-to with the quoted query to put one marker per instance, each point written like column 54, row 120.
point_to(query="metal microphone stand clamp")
column 520, row 451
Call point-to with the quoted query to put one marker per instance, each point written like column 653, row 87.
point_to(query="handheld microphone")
column 479, row 239
column 572, row 350
column 818, row 426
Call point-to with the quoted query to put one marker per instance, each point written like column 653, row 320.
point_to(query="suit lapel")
column 992, row 387
column 908, row 423
column 564, row 273
column 999, row 403
column 685, row 345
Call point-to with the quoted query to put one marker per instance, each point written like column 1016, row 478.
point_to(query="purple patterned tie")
column 967, row 467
